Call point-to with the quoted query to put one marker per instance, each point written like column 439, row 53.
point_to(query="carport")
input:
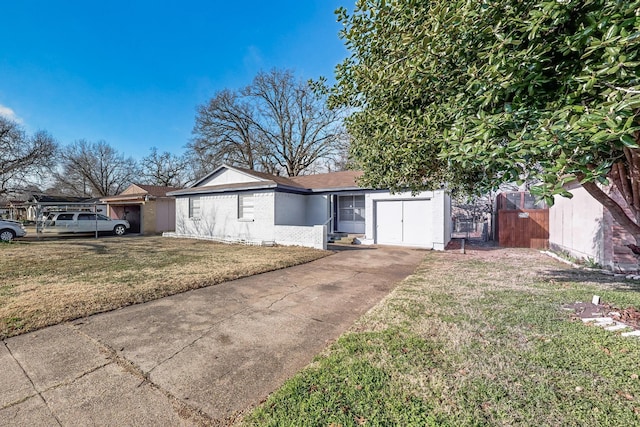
column 40, row 206
column 147, row 208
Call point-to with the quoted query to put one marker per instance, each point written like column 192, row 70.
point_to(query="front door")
column 351, row 214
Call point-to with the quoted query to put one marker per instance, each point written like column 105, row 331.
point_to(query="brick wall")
column 148, row 213
column 219, row 221
column 309, row 236
column 219, row 218
column 621, row 256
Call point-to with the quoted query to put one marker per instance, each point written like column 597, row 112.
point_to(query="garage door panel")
column 416, row 224
column 404, row 222
column 389, row 222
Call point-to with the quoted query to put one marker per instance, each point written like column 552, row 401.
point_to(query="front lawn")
column 47, row 282
column 469, row 340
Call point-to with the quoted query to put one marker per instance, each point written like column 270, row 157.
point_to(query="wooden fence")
column 522, row 227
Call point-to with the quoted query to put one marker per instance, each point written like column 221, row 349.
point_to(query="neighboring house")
column 5, row 210
column 17, row 210
column 238, row 205
column 584, row 228
column 148, row 208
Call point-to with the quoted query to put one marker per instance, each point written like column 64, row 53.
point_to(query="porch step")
column 343, row 238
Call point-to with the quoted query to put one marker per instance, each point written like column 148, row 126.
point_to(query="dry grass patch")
column 475, row 339
column 47, row 282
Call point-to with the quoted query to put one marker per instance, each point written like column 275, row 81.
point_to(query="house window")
column 194, row 207
column 351, row 208
column 245, row 206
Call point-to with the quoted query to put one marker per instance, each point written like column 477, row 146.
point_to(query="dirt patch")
column 630, row 316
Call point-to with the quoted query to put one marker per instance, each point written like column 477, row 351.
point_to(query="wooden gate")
column 522, row 227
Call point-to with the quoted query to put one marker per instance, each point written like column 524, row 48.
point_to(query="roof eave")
column 335, row 189
column 205, row 190
column 132, row 197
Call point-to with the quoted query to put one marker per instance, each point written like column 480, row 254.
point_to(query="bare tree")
column 277, row 124
column 165, row 169
column 95, row 169
column 23, row 158
column 226, row 132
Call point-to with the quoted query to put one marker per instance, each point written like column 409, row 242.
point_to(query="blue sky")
column 133, row 72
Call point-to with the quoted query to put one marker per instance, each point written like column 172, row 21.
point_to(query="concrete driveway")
column 203, row 357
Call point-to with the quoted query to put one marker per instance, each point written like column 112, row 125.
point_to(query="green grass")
column 471, row 340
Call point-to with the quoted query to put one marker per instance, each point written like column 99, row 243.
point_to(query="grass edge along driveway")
column 51, row 281
column 475, row 339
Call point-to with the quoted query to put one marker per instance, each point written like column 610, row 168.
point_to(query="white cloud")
column 253, row 58
column 9, row 114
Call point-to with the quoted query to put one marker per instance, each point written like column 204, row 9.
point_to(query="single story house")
column 239, row 205
column 583, row 228
column 148, row 208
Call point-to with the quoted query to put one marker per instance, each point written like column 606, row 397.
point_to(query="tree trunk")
column 617, row 212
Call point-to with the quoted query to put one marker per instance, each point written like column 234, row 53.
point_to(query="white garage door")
column 403, row 222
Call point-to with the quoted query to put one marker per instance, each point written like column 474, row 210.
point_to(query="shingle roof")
column 140, row 191
column 44, row 198
column 345, row 180
column 321, row 181
column 289, row 182
column 157, row 190
column 329, row 181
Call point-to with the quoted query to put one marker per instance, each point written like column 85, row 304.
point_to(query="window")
column 245, row 206
column 519, row 201
column 513, row 201
column 86, row 217
column 65, row 217
column 351, row 208
column 194, row 207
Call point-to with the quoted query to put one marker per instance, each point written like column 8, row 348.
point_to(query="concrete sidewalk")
column 198, row 358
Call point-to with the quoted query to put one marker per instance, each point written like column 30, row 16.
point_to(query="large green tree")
column 476, row 93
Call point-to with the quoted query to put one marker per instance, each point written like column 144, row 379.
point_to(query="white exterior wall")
column 219, row 218
column 439, row 215
column 290, row 209
column 318, row 209
column 227, row 176
column 219, row 221
column 576, row 225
